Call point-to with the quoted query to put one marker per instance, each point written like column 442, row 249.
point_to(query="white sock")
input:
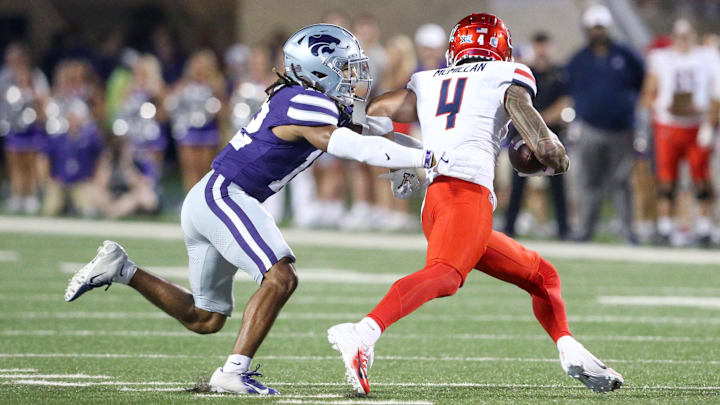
column 127, row 273
column 566, row 342
column 369, row 330
column 237, row 363
column 665, row 226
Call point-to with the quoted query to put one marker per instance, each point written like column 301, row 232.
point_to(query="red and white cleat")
column 356, row 354
column 580, row 364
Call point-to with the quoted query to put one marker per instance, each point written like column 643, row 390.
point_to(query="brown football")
column 522, row 158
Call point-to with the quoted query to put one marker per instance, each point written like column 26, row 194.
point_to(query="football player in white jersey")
column 682, row 89
column 467, row 107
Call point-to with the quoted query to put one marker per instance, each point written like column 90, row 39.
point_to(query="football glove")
column 403, row 182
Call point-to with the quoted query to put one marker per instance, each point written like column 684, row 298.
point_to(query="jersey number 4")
column 450, row 108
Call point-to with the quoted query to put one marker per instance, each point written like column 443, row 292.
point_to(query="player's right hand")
column 551, row 153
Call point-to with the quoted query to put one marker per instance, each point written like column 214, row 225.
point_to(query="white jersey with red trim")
column 691, row 78
column 463, row 108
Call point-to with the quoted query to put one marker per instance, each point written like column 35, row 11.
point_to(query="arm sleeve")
column 376, row 150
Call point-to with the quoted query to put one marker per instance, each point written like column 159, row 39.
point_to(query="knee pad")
column 666, row 190
column 446, row 278
column 703, row 192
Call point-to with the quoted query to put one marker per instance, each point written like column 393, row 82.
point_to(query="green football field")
column 482, row 345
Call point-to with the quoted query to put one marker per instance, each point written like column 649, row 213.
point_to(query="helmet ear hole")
column 320, row 75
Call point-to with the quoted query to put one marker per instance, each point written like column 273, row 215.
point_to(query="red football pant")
column 457, row 221
column 672, row 144
column 509, row 261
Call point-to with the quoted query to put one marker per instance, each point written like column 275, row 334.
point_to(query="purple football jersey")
column 261, row 163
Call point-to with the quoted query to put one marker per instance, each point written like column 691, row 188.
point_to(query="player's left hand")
column 403, row 182
column 455, row 163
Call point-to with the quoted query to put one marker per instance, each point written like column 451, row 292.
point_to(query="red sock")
column 547, row 302
column 410, row 292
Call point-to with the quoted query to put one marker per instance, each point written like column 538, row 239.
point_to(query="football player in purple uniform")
column 224, row 225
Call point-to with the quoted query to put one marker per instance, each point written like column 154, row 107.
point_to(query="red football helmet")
column 480, row 35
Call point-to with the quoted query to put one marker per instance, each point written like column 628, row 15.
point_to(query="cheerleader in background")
column 194, row 106
column 23, row 91
column 401, row 63
column 142, row 140
column 74, row 143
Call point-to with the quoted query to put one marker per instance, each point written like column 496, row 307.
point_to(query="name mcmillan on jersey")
column 461, row 69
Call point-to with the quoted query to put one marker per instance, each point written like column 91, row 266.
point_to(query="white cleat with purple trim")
column 110, row 264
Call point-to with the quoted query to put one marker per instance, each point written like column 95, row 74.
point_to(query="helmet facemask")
column 355, row 82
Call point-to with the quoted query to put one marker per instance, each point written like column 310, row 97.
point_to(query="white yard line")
column 9, row 256
column 166, row 386
column 459, row 359
column 662, row 301
column 172, row 231
column 392, row 335
column 60, row 376
column 352, row 402
column 91, row 383
column 347, row 316
column 157, row 389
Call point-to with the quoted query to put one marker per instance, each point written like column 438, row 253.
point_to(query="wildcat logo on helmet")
column 323, row 43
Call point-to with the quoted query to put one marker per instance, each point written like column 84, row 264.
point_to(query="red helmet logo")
column 479, row 36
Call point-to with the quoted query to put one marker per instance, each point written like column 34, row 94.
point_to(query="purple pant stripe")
column 247, row 222
column 228, row 223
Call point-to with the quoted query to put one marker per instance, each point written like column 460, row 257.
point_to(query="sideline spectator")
column 23, row 92
column 550, row 102
column 194, row 106
column 431, row 42
column 604, row 81
column 401, row 63
column 74, row 144
column 682, row 88
column 364, row 213
column 142, row 139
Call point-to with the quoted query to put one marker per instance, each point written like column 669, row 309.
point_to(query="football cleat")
column 356, row 354
column 580, row 364
column 110, row 262
column 239, row 383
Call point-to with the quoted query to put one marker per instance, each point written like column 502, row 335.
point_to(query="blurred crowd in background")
column 106, row 132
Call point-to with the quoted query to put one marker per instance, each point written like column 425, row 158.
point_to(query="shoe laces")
column 363, row 357
column 250, row 374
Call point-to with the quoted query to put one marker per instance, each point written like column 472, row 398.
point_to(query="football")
column 522, row 158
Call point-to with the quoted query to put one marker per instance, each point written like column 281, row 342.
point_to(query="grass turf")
column 484, row 336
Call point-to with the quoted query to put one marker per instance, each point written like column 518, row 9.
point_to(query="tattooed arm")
column 542, row 141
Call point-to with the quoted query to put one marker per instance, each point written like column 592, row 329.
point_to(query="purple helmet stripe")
column 246, row 221
column 224, row 218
